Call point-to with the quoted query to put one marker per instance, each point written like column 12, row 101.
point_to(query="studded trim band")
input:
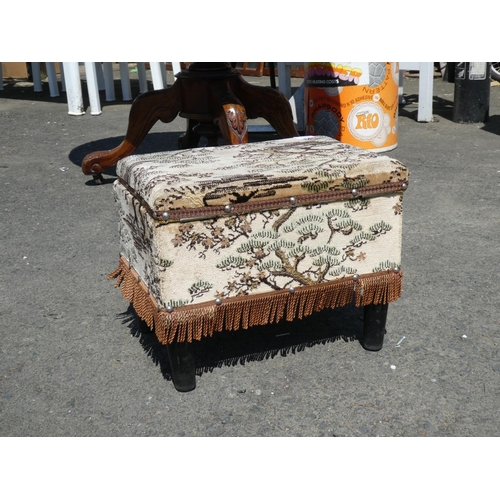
column 212, row 212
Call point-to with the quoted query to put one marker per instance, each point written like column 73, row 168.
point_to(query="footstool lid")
column 212, row 179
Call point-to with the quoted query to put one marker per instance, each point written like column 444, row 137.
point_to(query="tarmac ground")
column 75, row 361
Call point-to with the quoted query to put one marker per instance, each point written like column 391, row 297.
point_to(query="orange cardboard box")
column 20, row 69
column 14, row 70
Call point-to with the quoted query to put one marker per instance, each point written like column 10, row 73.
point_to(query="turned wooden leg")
column 148, row 108
column 182, row 365
column 375, row 317
column 269, row 104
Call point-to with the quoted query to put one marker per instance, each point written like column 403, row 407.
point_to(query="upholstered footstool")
column 230, row 237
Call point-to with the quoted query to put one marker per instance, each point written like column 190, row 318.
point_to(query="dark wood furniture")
column 215, row 100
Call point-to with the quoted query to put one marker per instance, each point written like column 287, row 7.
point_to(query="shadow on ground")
column 443, row 108
column 492, row 125
column 440, row 107
column 257, row 343
column 153, row 143
column 23, row 90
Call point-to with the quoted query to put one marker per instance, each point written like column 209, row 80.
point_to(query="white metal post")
column 100, row 76
column 425, row 91
column 125, row 79
column 37, row 79
column 73, row 88
column 176, row 68
column 109, row 83
column 141, row 73
column 156, row 75
column 93, row 88
column 51, row 74
column 163, row 68
column 284, row 77
column 63, row 83
column 425, row 87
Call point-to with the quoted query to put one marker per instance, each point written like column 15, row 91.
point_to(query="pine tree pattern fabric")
column 187, row 264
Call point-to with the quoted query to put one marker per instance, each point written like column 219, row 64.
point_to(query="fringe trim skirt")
column 193, row 322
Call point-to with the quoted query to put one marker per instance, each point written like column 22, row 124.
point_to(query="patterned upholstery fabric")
column 234, row 236
column 272, row 169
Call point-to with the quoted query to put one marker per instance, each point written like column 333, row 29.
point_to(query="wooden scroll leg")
column 146, row 110
column 182, row 365
column 269, row 104
column 233, row 124
column 232, row 119
column 375, row 317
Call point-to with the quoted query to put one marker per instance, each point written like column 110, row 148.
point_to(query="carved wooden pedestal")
column 212, row 97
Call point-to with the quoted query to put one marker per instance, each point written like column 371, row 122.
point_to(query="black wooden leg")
column 374, row 326
column 182, row 365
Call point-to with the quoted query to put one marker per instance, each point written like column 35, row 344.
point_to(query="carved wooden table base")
column 212, row 97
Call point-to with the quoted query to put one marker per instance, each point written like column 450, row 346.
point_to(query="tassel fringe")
column 193, row 322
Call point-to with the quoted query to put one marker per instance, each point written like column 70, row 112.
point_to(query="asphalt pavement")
column 75, row 361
